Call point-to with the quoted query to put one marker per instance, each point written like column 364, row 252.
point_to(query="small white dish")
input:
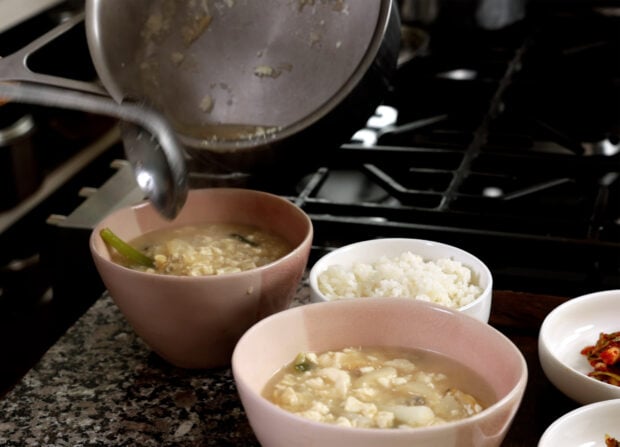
column 371, row 251
column 584, row 427
column 568, row 329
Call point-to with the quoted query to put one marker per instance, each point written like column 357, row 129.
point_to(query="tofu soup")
column 379, row 388
column 208, row 249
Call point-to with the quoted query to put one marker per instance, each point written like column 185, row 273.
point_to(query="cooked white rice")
column 443, row 281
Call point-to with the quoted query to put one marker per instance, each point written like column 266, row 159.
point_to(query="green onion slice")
column 130, row 253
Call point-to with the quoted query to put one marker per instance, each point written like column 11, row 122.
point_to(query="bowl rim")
column 518, row 388
column 575, row 413
column 545, row 344
column 94, row 235
column 314, row 271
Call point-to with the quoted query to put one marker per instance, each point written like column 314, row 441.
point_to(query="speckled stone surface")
column 101, row 385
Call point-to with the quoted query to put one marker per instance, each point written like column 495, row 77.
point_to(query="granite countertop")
column 101, row 385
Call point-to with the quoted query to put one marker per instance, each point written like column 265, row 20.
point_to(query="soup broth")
column 379, row 388
column 209, row 249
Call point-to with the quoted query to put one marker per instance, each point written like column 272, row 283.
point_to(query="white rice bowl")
column 405, row 268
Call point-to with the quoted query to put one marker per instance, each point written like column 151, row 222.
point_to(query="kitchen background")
column 499, row 134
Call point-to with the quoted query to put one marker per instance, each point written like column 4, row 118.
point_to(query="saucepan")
column 246, row 85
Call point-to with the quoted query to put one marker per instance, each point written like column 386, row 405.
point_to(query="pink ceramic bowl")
column 375, row 322
column 194, row 322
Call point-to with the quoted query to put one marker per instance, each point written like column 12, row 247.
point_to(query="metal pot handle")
column 14, row 67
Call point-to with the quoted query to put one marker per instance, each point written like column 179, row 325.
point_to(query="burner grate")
column 494, row 152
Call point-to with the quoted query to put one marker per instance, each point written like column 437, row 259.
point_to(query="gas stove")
column 503, row 141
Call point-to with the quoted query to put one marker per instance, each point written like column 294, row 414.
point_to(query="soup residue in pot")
column 379, row 388
column 208, row 249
